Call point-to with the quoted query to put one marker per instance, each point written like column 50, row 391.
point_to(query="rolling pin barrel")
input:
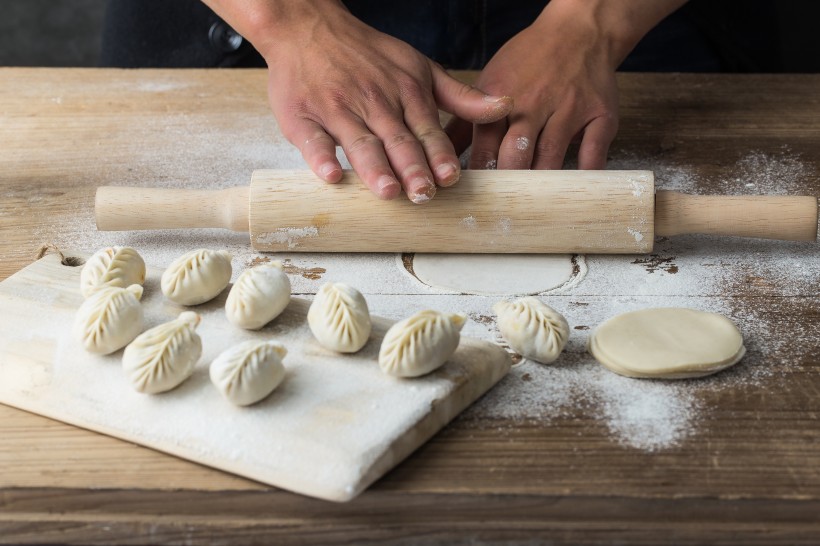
column 607, row 212
column 121, row 209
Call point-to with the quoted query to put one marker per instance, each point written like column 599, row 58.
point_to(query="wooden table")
column 748, row 472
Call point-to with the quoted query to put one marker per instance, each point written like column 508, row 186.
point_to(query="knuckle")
column 361, row 142
column 399, row 139
column 430, row 135
column 549, row 147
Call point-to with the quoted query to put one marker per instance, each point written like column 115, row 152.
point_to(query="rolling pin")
column 607, row 212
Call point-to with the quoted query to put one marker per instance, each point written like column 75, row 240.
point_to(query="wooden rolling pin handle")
column 119, row 208
column 790, row 218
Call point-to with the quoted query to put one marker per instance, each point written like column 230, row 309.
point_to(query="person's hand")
column 561, row 73
column 334, row 79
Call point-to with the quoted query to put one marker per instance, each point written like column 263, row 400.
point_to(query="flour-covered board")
column 333, row 427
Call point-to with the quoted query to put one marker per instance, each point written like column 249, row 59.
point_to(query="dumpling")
column 164, row 356
column 532, row 328
column 421, row 343
column 339, row 318
column 109, row 319
column 258, row 296
column 119, row 266
column 248, row 372
column 197, row 276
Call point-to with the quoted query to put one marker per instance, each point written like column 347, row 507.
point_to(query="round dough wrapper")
column 667, row 343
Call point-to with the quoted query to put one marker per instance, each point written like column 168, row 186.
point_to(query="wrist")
column 612, row 27
column 268, row 24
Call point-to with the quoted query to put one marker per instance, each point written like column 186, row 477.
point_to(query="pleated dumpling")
column 119, row 266
column 339, row 318
column 248, row 372
column 164, row 356
column 197, row 276
column 421, row 343
column 258, row 296
column 532, row 328
column 109, row 319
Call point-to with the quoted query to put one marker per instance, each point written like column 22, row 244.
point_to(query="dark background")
column 761, row 36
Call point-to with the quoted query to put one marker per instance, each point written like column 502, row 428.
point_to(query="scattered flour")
column 688, row 271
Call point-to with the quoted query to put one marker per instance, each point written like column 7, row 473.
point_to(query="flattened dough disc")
column 667, row 343
column 494, row 274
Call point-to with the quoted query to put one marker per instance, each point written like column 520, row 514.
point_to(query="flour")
column 690, row 271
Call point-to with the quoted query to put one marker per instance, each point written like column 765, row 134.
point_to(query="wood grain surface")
column 748, row 474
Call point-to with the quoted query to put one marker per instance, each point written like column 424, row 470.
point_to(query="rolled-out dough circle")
column 494, row 274
column 667, row 343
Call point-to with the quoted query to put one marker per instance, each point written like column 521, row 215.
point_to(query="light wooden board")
column 335, row 425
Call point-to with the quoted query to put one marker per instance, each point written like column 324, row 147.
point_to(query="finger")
column 318, row 149
column 366, row 154
column 486, row 141
column 552, row 143
column 460, row 133
column 598, row 135
column 407, row 159
column 517, row 148
column 422, row 118
column 465, row 101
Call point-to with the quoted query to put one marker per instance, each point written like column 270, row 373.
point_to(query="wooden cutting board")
column 334, row 426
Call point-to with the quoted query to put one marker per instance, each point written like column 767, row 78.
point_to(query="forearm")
column 267, row 23
column 620, row 23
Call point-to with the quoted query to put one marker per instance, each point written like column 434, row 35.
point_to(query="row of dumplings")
column 161, row 358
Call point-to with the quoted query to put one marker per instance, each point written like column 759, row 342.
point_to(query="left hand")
column 560, row 72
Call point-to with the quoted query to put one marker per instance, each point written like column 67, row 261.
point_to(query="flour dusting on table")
column 690, row 271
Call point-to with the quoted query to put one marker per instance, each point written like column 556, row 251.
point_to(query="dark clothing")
column 460, row 34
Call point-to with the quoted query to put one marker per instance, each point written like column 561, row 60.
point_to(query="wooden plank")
column 748, row 473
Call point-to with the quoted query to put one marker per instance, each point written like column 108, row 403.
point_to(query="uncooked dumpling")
column 421, row 343
column 248, row 372
column 164, row 356
column 258, row 296
column 109, row 319
column 667, row 343
column 532, row 328
column 119, row 266
column 339, row 318
column 197, row 277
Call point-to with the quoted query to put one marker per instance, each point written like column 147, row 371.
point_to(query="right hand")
column 333, row 79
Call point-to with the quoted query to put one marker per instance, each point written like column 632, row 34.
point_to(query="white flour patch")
column 638, row 189
column 289, row 236
column 636, row 234
column 469, row 222
column 522, row 143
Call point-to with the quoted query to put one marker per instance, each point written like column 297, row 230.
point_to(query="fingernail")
column 425, row 194
column 494, row 99
column 387, row 186
column 447, row 174
column 327, row 169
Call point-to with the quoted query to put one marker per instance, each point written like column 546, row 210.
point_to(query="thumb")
column 465, row 101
